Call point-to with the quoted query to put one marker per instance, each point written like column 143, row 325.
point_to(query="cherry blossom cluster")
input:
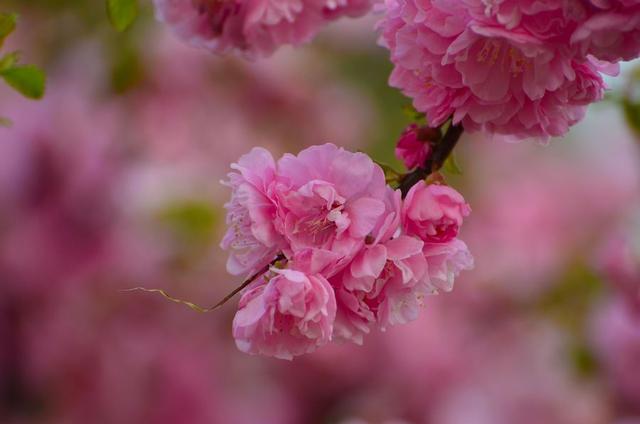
column 337, row 251
column 518, row 68
column 252, row 28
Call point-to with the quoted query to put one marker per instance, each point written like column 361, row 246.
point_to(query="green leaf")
column 632, row 114
column 391, row 176
column 413, row 114
column 451, row 165
column 7, row 25
column 584, row 360
column 193, row 221
column 127, row 69
column 122, row 13
column 5, row 122
column 28, row 80
column 9, row 60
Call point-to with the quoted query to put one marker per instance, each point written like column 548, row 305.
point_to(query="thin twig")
column 247, row 282
column 197, row 308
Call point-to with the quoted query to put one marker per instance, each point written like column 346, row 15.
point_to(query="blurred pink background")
column 112, row 182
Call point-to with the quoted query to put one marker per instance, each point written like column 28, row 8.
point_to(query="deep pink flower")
column 384, row 285
column 329, row 198
column 433, row 212
column 288, row 315
column 611, row 32
column 411, row 149
column 356, row 257
column 387, row 280
column 551, row 21
column 251, row 237
column 253, row 28
column 506, row 70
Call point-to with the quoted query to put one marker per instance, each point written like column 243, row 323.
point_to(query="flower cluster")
column 340, row 251
column 252, row 28
column 518, row 68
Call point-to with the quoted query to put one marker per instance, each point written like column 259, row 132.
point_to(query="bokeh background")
column 112, row 182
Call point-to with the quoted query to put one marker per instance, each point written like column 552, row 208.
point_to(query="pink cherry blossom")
column 611, row 32
column 350, row 244
column 503, row 70
column 288, row 315
column 412, row 149
column 619, row 261
column 385, row 284
column 253, row 28
column 433, row 212
column 251, row 236
column 446, row 261
column 616, row 338
column 329, row 198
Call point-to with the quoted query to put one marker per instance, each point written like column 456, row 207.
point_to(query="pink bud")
column 413, row 147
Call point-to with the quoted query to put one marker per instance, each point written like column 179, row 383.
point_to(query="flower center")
column 509, row 58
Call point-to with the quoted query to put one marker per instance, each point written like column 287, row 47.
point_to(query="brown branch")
column 247, row 282
column 197, row 308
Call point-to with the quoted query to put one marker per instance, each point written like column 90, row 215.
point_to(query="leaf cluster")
column 29, row 80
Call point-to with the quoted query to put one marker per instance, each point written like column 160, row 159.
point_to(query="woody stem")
column 248, row 281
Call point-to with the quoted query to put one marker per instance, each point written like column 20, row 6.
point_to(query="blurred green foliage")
column 7, row 25
column 191, row 221
column 369, row 71
column 451, row 166
column 29, row 80
column 122, row 13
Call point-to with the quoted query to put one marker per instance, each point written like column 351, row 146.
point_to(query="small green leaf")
column 191, row 220
column 127, row 69
column 391, row 176
column 7, row 25
column 451, row 166
column 28, row 80
column 632, row 114
column 122, row 13
column 584, row 360
column 413, row 114
column 5, row 122
column 9, row 60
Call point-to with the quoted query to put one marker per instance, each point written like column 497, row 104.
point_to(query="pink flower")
column 384, row 284
column 356, row 257
column 433, row 212
column 413, row 147
column 251, row 236
column 253, row 28
column 616, row 338
column 289, row 315
column 446, row 261
column 619, row 261
column 506, row 70
column 387, row 280
column 611, row 33
column 329, row 198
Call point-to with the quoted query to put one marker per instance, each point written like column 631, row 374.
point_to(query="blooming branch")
column 359, row 254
